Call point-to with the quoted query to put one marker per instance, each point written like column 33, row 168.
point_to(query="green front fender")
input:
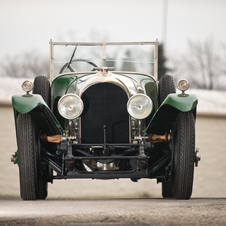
column 167, row 113
column 37, row 107
column 182, row 102
column 26, row 103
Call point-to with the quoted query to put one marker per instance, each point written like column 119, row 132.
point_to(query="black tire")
column 166, row 86
column 42, row 87
column 167, row 189
column 184, row 154
column 33, row 184
column 42, row 189
column 41, row 172
column 27, row 157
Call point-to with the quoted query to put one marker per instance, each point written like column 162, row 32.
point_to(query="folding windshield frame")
column 103, row 44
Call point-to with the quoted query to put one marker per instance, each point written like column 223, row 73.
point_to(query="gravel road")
column 61, row 211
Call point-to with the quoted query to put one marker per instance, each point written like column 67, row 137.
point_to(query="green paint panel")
column 165, row 116
column 59, row 88
column 26, row 103
column 36, row 106
column 182, row 102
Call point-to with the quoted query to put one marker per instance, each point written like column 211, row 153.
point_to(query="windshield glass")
column 81, row 57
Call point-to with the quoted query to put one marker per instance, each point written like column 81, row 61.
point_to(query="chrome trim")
column 51, row 68
column 186, row 81
column 139, row 94
column 73, row 95
column 14, row 157
column 104, row 70
column 103, row 43
column 105, row 79
column 135, row 73
column 197, row 157
column 110, row 78
column 156, row 61
column 80, row 130
column 24, row 88
column 130, row 130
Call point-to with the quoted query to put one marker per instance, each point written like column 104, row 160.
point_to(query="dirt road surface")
column 61, row 211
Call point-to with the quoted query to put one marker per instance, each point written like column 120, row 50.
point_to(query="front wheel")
column 27, row 158
column 183, row 155
column 42, row 87
column 166, row 87
column 32, row 184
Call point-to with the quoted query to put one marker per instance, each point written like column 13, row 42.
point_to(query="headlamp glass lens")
column 183, row 85
column 27, row 86
column 139, row 106
column 70, row 106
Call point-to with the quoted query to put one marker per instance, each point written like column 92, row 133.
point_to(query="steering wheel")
column 75, row 60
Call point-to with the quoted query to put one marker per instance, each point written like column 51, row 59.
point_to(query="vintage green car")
column 103, row 114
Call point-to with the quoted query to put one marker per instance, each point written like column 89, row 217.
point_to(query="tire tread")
column 26, row 157
column 42, row 87
column 186, row 143
column 166, row 86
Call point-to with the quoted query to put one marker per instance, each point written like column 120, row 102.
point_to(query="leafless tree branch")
column 203, row 65
column 28, row 64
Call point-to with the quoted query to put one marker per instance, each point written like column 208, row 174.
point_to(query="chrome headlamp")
column 27, row 86
column 183, row 85
column 70, row 106
column 139, row 106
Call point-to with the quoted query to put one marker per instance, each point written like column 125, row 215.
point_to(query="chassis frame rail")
column 134, row 173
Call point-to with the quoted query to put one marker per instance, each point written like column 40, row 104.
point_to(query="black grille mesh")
column 105, row 104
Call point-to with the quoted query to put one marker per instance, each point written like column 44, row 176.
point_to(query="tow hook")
column 197, row 157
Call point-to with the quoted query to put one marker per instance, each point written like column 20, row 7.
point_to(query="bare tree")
column 202, row 65
column 28, row 64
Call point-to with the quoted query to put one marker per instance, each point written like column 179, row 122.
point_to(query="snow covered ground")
column 210, row 101
column 9, row 87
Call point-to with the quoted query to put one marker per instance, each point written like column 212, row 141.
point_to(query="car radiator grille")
column 105, row 105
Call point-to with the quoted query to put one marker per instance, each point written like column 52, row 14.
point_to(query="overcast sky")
column 29, row 25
